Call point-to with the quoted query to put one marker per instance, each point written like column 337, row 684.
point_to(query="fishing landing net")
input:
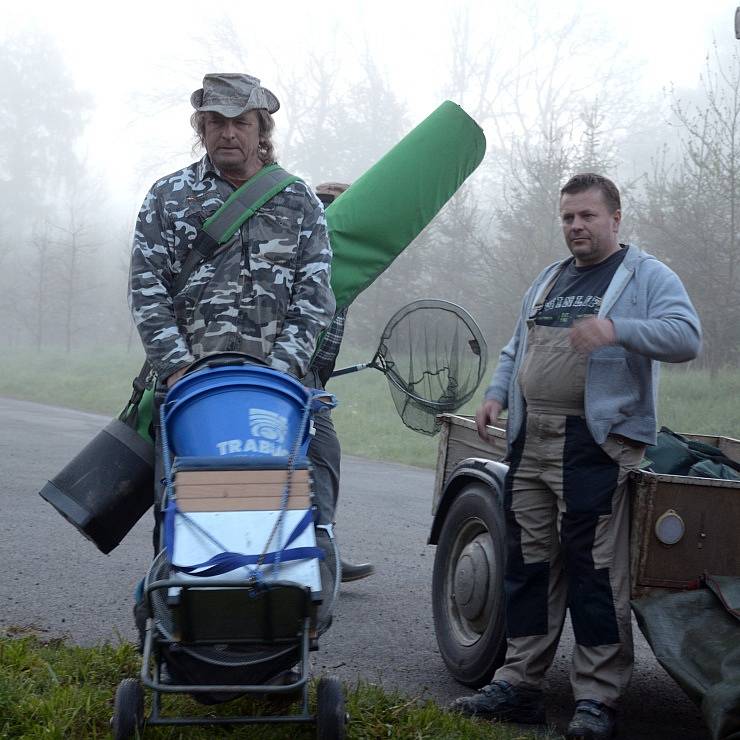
column 434, row 356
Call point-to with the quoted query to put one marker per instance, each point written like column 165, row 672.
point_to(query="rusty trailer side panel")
column 710, row 511
column 459, row 440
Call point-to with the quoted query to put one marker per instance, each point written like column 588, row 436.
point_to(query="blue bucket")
column 236, row 410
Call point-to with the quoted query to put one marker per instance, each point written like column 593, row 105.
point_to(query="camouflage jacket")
column 265, row 292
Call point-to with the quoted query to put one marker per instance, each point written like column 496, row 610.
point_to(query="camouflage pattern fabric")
column 265, row 292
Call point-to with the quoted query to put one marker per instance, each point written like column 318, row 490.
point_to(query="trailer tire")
column 467, row 586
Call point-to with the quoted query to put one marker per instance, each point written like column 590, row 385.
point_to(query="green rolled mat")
column 387, row 207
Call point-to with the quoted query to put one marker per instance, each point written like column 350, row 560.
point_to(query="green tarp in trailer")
column 695, row 636
column 388, row 206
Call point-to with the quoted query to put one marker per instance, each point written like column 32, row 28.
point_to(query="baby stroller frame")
column 330, row 718
column 241, row 615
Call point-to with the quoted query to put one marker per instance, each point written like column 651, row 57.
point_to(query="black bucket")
column 108, row 487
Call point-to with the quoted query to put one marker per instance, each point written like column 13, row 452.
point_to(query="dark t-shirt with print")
column 578, row 291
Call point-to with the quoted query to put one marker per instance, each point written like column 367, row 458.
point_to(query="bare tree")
column 690, row 211
column 542, row 124
column 41, row 273
column 78, row 259
column 43, row 117
column 335, row 131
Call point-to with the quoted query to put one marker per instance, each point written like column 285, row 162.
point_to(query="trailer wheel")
column 331, row 716
column 128, row 709
column 467, row 586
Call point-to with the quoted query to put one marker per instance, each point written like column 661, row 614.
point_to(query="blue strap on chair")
column 225, row 562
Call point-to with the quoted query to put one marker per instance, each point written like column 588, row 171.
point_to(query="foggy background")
column 96, row 107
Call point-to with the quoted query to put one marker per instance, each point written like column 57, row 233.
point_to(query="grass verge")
column 58, row 691
column 366, row 419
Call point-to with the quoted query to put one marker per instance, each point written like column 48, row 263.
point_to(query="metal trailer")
column 468, row 530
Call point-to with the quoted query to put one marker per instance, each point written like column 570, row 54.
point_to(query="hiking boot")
column 592, row 721
column 356, row 571
column 500, row 700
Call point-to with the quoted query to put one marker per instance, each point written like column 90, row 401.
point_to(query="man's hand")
column 172, row 379
column 589, row 334
column 487, row 414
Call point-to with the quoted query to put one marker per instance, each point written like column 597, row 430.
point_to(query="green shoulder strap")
column 225, row 222
column 242, row 204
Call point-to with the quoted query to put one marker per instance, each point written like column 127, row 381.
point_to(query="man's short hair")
column 586, row 181
column 266, row 124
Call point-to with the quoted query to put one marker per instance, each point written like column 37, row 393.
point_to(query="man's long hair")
column 266, row 126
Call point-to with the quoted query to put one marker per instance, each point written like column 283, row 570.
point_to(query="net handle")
column 377, row 363
column 350, row 369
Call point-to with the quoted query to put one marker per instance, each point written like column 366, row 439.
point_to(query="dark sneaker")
column 500, row 700
column 592, row 721
column 356, row 571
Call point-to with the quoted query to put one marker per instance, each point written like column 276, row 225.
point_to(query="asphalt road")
column 58, row 583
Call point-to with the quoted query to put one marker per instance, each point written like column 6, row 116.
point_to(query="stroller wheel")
column 128, row 709
column 331, row 717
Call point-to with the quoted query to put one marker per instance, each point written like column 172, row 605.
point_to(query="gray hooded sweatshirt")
column 654, row 322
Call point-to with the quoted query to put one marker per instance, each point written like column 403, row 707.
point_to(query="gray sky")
column 122, row 53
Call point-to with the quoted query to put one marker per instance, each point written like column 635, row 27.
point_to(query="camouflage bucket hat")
column 232, row 94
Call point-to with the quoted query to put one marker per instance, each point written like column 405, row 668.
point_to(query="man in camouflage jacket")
column 266, row 291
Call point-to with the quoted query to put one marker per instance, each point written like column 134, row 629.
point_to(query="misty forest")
column 65, row 251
